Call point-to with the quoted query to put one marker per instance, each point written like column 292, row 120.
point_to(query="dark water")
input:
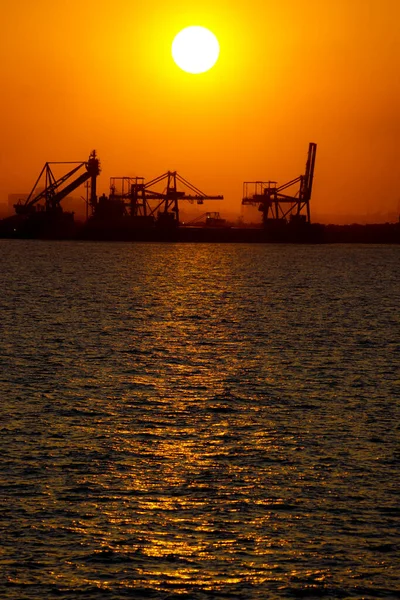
column 199, row 421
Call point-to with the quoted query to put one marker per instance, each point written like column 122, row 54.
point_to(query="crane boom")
column 55, row 190
column 71, row 187
column 305, row 193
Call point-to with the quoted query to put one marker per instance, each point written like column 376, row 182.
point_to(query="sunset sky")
column 82, row 75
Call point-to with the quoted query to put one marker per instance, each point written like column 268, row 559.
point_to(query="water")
column 199, row 421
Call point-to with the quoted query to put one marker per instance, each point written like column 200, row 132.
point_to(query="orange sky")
column 86, row 75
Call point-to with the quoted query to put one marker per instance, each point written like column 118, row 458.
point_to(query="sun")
column 195, row 49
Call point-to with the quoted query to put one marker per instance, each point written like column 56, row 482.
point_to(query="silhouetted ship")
column 136, row 210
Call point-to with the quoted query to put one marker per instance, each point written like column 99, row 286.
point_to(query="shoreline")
column 123, row 230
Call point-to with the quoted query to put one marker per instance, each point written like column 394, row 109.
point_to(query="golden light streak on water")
column 195, row 423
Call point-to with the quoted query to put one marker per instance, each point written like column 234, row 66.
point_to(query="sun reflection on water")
column 215, row 429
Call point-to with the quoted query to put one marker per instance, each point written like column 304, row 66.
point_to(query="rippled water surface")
column 199, row 421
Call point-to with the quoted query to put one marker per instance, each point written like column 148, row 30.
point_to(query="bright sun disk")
column 195, row 49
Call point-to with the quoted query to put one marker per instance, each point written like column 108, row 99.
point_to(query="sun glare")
column 195, row 49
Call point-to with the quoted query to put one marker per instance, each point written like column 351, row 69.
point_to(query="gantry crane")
column 54, row 190
column 144, row 202
column 277, row 206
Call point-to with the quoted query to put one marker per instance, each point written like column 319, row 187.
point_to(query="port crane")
column 51, row 190
column 144, row 202
column 275, row 203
